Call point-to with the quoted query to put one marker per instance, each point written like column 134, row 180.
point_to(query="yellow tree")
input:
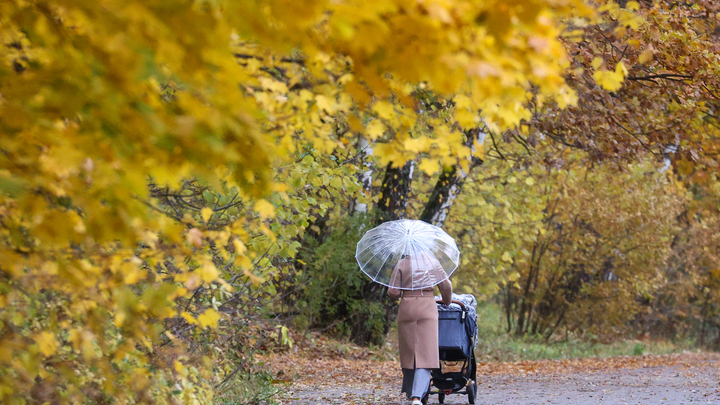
column 646, row 77
column 99, row 98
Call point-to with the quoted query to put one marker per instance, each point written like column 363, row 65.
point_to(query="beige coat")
column 418, row 325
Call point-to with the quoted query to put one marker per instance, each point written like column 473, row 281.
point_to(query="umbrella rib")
column 383, row 264
column 379, row 267
column 373, row 243
column 366, row 248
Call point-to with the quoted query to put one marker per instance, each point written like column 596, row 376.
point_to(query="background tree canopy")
column 176, row 177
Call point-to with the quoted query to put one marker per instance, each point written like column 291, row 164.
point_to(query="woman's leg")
column 421, row 382
column 407, row 383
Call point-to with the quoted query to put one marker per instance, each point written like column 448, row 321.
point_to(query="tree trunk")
column 508, row 308
column 552, row 330
column 525, row 302
column 395, row 192
column 450, row 183
column 365, row 150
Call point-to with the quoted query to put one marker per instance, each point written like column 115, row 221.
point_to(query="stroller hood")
column 467, row 299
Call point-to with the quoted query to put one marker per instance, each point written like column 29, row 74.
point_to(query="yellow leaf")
column 189, row 318
column 179, row 292
column 47, row 343
column 375, row 129
column 466, row 119
column 506, row 257
column 611, row 81
column 180, row 368
column 119, row 318
column 243, row 261
column 325, row 104
column 384, row 110
column 354, row 123
column 209, row 318
column 429, row 166
column 634, row 43
column 206, row 214
column 280, row 187
column 208, row 272
column 417, row 145
column 463, row 102
column 530, row 181
column 132, row 271
column 621, row 69
column 265, row 209
column 273, row 85
column 239, row 246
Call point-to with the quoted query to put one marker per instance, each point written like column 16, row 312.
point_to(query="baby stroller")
column 457, row 333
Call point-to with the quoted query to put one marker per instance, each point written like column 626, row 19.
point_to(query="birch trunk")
column 365, row 150
column 450, row 184
column 395, row 192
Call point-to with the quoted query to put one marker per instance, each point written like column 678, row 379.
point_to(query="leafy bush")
column 335, row 295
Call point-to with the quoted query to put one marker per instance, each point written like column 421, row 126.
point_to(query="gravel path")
column 689, row 379
column 646, row 386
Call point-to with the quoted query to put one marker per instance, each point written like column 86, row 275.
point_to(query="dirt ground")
column 680, row 379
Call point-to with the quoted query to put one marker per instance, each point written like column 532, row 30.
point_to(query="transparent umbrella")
column 407, row 254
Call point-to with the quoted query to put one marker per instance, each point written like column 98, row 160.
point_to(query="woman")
column 418, row 320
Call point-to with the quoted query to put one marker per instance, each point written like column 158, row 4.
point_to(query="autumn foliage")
column 162, row 164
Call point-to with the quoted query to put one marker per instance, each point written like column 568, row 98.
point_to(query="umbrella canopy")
column 407, row 254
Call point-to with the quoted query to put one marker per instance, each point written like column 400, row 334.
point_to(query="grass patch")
column 257, row 388
column 495, row 344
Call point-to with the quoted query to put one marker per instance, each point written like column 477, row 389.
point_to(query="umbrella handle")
column 454, row 302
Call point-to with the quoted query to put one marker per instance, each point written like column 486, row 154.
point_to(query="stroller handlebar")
column 454, row 302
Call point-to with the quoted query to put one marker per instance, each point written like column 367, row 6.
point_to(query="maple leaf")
column 611, row 81
column 209, row 318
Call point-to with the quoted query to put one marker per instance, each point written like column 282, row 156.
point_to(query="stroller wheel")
column 441, row 398
column 472, row 392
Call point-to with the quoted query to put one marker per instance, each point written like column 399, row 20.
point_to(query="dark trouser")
column 415, row 382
